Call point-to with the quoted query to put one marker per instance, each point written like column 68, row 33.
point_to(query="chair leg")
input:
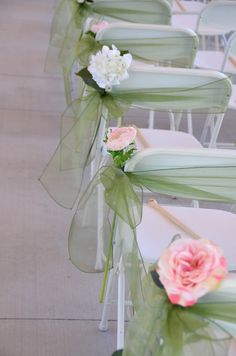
column 178, row 120
column 190, row 122
column 100, row 220
column 217, row 43
column 203, row 42
column 172, row 121
column 195, row 203
column 216, row 130
column 103, row 326
column 121, row 307
column 151, row 119
column 206, row 128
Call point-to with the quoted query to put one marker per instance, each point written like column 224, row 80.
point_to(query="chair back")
column 175, row 89
column 165, row 45
column 218, row 14
column 230, row 55
column 157, row 158
column 148, row 11
column 157, row 229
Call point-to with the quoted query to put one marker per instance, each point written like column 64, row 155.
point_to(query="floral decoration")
column 189, row 269
column 99, row 26
column 108, row 67
column 120, row 144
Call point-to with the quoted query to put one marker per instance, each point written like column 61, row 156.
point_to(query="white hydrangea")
column 80, row 1
column 108, row 67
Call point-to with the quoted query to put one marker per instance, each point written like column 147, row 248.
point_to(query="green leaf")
column 117, row 353
column 122, row 52
column 156, row 279
column 91, row 33
column 88, row 79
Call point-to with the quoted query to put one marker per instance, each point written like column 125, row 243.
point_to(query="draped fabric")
column 175, row 50
column 69, row 22
column 162, row 329
column 63, row 175
column 121, row 193
column 70, row 16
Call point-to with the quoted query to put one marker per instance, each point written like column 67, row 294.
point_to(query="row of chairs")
column 175, row 163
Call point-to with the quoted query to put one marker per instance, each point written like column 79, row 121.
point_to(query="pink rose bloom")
column 120, row 138
column 188, row 269
column 99, row 26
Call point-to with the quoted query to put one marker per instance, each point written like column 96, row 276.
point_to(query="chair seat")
column 167, row 138
column 188, row 7
column 213, row 60
column 155, row 231
column 190, row 21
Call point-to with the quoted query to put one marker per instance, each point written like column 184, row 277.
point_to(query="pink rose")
column 120, row 138
column 188, row 269
column 99, row 26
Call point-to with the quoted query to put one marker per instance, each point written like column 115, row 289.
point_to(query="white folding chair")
column 215, row 19
column 158, row 44
column 191, row 7
column 218, row 60
column 161, row 45
column 177, row 85
column 171, row 88
column 225, row 62
column 67, row 27
column 159, row 225
column 152, row 11
column 157, row 229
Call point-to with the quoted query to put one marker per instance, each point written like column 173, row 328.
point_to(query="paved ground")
column 47, row 307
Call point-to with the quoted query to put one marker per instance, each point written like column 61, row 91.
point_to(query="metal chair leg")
column 121, row 307
column 103, row 326
column 151, row 119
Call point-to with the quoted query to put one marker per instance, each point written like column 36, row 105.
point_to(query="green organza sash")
column 63, row 175
column 172, row 51
column 61, row 20
column 121, row 193
column 160, row 328
column 165, row 51
column 69, row 21
column 70, row 17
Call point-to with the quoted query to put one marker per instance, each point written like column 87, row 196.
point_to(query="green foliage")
column 90, row 33
column 117, row 353
column 120, row 157
column 88, row 79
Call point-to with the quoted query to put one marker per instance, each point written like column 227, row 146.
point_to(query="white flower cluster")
column 108, row 67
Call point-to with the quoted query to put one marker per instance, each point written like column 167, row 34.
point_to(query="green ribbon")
column 85, row 48
column 122, row 193
column 64, row 173
column 69, row 20
column 160, row 328
column 81, row 122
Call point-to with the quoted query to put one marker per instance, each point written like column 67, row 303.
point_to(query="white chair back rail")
column 150, row 11
column 175, row 90
column 156, row 230
column 165, row 45
column 218, row 14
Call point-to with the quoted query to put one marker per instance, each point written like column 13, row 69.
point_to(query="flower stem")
column 104, row 283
